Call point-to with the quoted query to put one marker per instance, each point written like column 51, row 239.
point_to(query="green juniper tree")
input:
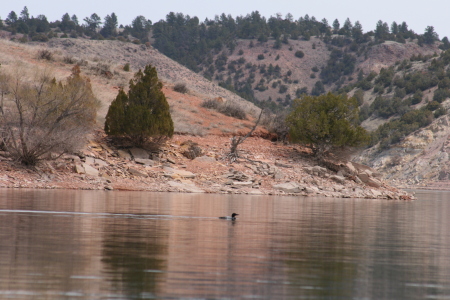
column 141, row 114
column 326, row 121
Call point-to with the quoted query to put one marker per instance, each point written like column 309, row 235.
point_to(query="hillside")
column 264, row 167
column 281, row 76
column 103, row 62
column 401, row 79
column 420, row 160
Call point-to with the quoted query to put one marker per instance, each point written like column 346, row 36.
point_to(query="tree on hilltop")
column 66, row 23
column 24, row 14
column 142, row 113
column 110, row 26
column 12, row 18
column 93, row 22
column 430, row 36
column 336, row 26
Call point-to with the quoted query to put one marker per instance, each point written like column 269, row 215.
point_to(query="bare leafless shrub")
column 103, row 69
column 276, row 124
column 180, row 88
column 394, row 161
column 69, row 59
column 183, row 126
column 40, row 117
column 82, row 62
column 210, row 104
column 233, row 110
column 236, row 141
column 45, row 54
column 226, row 108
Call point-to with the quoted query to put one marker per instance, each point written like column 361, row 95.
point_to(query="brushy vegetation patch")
column 45, row 54
column 69, row 59
column 180, row 88
column 227, row 109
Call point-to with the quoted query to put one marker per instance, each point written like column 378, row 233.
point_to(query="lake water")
column 57, row 244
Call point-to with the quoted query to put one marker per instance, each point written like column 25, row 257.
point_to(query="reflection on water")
column 126, row 245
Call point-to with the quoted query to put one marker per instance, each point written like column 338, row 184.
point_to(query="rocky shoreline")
column 264, row 168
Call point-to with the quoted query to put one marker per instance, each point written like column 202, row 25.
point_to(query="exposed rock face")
column 389, row 52
column 422, row 159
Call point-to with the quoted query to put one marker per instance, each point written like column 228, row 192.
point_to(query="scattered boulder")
column 137, row 173
column 288, row 187
column 79, row 169
column 255, row 192
column 175, row 173
column 282, row 165
column 237, row 176
column 263, row 169
column 316, row 171
column 139, row 153
column 124, row 154
column 338, row 179
column 350, row 169
column 95, row 161
column 240, row 184
column 88, row 170
column 312, row 190
column 89, row 160
column 375, row 193
column 278, row 175
column 186, row 187
column 373, row 182
column 145, row 161
column 190, row 149
column 364, row 177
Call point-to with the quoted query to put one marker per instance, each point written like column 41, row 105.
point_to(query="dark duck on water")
column 233, row 217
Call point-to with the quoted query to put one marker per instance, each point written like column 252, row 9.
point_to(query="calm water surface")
column 137, row 245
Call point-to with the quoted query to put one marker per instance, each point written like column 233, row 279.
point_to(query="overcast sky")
column 417, row 14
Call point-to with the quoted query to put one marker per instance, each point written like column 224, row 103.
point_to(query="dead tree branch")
column 236, row 141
